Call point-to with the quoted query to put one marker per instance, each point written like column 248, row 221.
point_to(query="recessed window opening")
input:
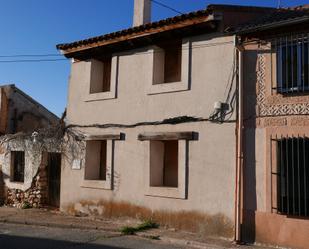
column 292, row 64
column 168, row 62
column 95, row 165
column 17, row 166
column 293, row 176
column 101, row 80
column 164, row 163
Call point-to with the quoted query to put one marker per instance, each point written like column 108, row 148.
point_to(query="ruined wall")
column 268, row 115
column 21, row 113
column 4, row 108
column 33, row 192
column 35, row 196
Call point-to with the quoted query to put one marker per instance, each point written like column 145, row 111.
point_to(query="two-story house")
column 157, row 107
column 276, row 128
column 24, row 165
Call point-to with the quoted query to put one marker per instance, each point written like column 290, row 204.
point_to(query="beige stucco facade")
column 206, row 165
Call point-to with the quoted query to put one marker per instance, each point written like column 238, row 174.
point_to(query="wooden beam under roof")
column 187, row 135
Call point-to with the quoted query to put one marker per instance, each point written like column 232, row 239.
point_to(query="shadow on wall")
column 1, row 188
column 249, row 178
column 192, row 221
column 250, row 202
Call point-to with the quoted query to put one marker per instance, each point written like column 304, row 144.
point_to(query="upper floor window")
column 101, row 78
column 167, row 62
column 292, row 64
column 101, row 73
column 171, row 62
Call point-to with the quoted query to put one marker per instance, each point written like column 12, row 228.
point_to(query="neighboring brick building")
column 276, row 128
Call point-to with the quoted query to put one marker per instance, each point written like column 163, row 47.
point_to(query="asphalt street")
column 37, row 237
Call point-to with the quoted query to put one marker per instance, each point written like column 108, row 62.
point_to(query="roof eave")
column 144, row 34
column 272, row 26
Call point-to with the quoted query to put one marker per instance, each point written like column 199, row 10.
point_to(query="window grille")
column 293, row 176
column 292, row 63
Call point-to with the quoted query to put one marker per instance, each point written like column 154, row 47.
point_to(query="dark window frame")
column 105, row 85
column 292, row 56
column 101, row 164
column 170, row 167
column 293, row 176
column 172, row 60
column 17, row 166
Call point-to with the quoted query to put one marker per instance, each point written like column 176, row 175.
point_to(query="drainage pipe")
column 239, row 141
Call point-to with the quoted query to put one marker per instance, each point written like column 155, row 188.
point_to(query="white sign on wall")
column 76, row 164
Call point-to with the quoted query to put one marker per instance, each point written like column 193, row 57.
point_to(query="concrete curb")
column 115, row 232
column 56, row 225
column 192, row 244
column 182, row 242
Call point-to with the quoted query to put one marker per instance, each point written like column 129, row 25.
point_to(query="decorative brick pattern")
column 261, row 87
column 276, row 105
column 299, row 121
column 275, row 121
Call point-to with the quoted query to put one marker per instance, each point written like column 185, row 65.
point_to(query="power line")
column 166, row 6
column 279, row 4
column 29, row 55
column 214, row 44
column 34, row 60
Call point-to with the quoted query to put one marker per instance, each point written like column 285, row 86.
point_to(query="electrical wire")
column 34, row 60
column 138, row 53
column 29, row 55
column 167, row 7
column 168, row 121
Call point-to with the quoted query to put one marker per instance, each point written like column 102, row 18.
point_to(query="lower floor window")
column 17, row 166
column 95, row 168
column 293, row 176
column 164, row 163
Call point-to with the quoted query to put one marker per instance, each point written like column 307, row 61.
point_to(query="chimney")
column 142, row 12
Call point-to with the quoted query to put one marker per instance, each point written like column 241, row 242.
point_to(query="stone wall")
column 35, row 196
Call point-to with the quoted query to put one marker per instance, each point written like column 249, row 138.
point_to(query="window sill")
column 168, row 87
column 17, row 182
column 18, row 185
column 96, row 184
column 100, row 96
column 167, row 192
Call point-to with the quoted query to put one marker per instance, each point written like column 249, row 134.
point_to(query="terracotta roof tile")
column 173, row 20
column 280, row 16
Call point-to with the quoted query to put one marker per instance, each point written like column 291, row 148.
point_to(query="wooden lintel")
column 119, row 136
column 168, row 136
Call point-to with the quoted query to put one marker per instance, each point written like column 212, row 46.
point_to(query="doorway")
column 54, row 175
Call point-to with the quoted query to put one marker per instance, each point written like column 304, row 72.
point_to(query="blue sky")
column 36, row 26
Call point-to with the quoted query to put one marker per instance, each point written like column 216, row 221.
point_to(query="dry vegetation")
column 191, row 221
